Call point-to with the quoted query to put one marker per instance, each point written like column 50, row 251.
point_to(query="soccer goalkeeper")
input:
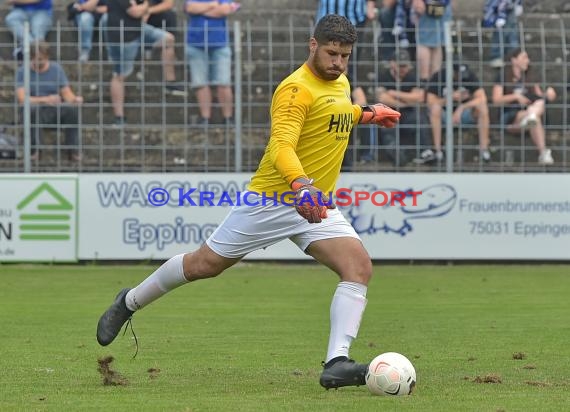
column 311, row 120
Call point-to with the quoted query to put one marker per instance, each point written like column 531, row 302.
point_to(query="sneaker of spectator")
column 486, row 155
column 18, row 54
column 83, row 56
column 545, row 158
column 428, row 156
column 529, row 121
column 496, row 63
column 175, row 90
column 119, row 122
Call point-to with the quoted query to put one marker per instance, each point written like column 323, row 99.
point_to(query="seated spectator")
column 87, row 14
column 38, row 14
column 503, row 16
column 209, row 55
column 469, row 106
column 397, row 28
column 523, row 102
column 53, row 103
column 125, row 32
column 400, row 90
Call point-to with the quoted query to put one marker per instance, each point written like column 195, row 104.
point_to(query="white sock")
column 164, row 279
column 347, row 307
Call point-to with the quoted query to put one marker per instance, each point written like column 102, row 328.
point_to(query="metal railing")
column 163, row 133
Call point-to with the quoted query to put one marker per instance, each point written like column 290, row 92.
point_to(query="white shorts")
column 249, row 228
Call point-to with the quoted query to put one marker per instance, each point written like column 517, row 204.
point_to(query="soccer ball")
column 391, row 374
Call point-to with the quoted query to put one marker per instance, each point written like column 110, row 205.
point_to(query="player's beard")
column 327, row 72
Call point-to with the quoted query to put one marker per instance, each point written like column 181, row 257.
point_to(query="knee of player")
column 197, row 266
column 361, row 272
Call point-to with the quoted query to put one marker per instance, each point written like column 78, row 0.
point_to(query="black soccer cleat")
column 113, row 319
column 342, row 371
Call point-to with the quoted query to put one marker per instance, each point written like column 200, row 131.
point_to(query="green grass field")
column 253, row 339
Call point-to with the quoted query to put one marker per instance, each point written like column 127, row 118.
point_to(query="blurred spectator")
column 161, row 14
column 38, row 13
column 469, row 106
column 399, row 20
column 87, row 14
column 53, row 103
column 430, row 17
column 523, row 102
column 503, row 16
column 387, row 43
column 124, row 33
column 400, row 89
column 209, row 55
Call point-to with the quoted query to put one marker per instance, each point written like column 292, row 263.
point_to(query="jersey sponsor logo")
column 341, row 122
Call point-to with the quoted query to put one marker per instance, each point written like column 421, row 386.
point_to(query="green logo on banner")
column 46, row 218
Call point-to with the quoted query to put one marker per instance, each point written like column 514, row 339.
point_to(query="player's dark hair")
column 335, row 28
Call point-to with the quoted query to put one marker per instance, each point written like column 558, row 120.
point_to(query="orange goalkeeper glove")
column 310, row 202
column 379, row 114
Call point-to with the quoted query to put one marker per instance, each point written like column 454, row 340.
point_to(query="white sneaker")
column 486, row 155
column 529, row 121
column 545, row 158
column 427, row 156
column 496, row 63
column 84, row 56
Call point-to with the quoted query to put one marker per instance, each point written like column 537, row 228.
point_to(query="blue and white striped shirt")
column 353, row 10
column 498, row 9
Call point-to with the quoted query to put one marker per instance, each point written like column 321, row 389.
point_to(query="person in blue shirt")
column 53, row 103
column 38, row 13
column 209, row 55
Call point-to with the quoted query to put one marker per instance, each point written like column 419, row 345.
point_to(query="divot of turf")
column 153, row 373
column 538, row 383
column 519, row 355
column 529, row 367
column 491, row 378
column 110, row 377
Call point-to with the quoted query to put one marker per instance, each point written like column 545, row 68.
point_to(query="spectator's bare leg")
column 225, row 97
column 483, row 125
column 538, row 137
column 204, row 97
column 435, row 120
column 537, row 132
column 423, row 57
column 436, row 59
column 118, row 95
column 168, row 57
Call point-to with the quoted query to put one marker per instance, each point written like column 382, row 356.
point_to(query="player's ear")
column 312, row 45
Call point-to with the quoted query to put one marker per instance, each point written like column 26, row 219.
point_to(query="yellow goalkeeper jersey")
column 311, row 121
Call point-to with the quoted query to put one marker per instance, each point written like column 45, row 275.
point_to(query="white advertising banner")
column 398, row 216
column 38, row 215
